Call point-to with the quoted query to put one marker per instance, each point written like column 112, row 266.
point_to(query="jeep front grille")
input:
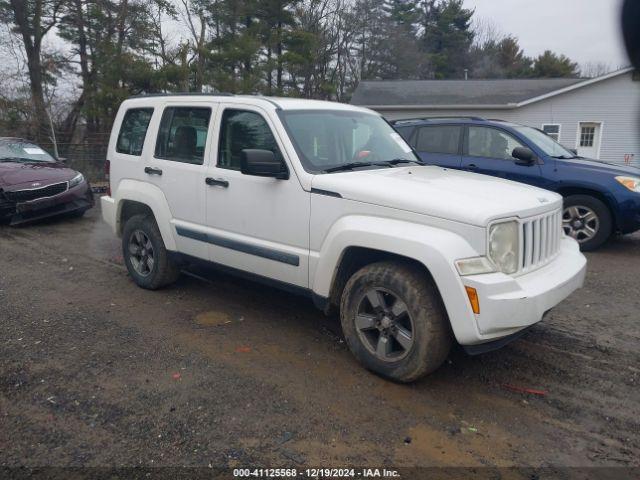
column 35, row 193
column 540, row 237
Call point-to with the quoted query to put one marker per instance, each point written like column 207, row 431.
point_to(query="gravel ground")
column 217, row 371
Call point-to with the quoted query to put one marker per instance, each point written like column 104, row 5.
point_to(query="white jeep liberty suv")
column 329, row 200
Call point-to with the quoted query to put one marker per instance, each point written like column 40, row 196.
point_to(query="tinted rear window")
column 439, row 139
column 133, row 131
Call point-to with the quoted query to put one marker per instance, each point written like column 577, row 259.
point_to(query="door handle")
column 216, row 182
column 471, row 166
column 152, row 171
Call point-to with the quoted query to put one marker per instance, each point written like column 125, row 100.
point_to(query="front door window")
column 240, row 130
column 491, row 143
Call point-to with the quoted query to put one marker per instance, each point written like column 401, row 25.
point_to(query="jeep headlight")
column 632, row 183
column 77, row 180
column 503, row 246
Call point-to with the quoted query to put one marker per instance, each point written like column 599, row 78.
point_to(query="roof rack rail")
column 451, row 117
column 183, row 94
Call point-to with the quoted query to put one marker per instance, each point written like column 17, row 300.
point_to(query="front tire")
column 145, row 255
column 587, row 220
column 394, row 321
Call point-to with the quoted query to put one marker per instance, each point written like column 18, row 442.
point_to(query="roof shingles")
column 455, row 92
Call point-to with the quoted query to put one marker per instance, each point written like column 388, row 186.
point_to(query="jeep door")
column 256, row 224
column 177, row 165
column 439, row 144
column 487, row 150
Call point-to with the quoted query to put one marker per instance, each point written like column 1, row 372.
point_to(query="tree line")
column 78, row 59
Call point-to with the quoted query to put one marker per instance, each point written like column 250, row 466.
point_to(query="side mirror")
column 523, row 156
column 262, row 163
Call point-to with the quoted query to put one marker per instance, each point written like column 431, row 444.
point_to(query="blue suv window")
column 439, row 139
column 491, row 143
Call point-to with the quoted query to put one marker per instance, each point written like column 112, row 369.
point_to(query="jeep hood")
column 450, row 194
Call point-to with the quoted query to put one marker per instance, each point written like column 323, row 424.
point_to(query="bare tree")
column 194, row 16
column 33, row 20
column 595, row 69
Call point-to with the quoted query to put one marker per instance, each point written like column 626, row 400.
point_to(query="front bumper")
column 510, row 304
column 628, row 213
column 75, row 199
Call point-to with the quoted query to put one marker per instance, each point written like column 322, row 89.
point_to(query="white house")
column 599, row 117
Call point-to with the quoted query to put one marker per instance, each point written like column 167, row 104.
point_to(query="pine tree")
column 551, row 65
column 447, row 37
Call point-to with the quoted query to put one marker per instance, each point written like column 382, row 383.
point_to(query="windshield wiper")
column 564, row 157
column 352, row 165
column 13, row 159
column 396, row 161
column 386, row 163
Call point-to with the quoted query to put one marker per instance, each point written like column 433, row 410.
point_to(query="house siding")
column 615, row 103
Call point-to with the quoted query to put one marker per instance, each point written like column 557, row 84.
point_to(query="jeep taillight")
column 107, row 176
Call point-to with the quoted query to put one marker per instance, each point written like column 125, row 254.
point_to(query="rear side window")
column 183, row 134
column 133, row 131
column 242, row 129
column 439, row 139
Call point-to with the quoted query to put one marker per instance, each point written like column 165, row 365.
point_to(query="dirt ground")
column 217, row 371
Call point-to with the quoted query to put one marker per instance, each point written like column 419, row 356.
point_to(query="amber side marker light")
column 473, row 299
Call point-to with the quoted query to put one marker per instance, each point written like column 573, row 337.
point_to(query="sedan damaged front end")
column 34, row 185
column 36, row 200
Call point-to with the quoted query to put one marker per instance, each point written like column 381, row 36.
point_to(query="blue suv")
column 599, row 198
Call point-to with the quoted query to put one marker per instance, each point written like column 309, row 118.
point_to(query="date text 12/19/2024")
column 315, row 473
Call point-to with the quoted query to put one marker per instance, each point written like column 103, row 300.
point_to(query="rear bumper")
column 108, row 207
column 510, row 304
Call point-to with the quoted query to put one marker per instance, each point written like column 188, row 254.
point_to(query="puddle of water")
column 212, row 319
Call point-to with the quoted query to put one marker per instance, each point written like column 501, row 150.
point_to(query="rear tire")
column 587, row 220
column 407, row 334
column 145, row 255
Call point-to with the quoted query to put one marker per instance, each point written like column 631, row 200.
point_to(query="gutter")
column 503, row 106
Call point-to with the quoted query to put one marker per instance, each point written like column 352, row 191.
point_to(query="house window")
column 553, row 130
column 587, row 135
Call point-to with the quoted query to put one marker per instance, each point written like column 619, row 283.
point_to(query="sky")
column 584, row 30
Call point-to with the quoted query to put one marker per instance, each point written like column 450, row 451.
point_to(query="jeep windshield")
column 336, row 140
column 23, row 152
column 545, row 143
